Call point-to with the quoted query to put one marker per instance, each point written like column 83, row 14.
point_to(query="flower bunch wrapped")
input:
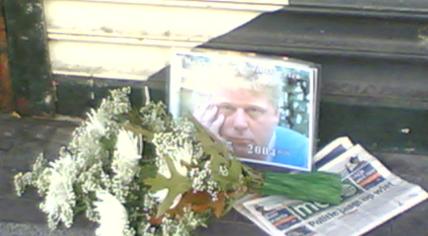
column 141, row 172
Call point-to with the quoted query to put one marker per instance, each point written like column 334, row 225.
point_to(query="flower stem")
column 315, row 186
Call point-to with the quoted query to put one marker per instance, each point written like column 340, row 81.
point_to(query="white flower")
column 59, row 201
column 113, row 218
column 94, row 123
column 60, row 198
column 59, row 182
column 126, row 156
column 180, row 150
column 163, row 168
column 181, row 156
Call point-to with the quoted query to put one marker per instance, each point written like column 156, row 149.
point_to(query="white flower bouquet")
column 140, row 172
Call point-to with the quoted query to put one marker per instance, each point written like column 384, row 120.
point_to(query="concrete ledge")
column 27, row 137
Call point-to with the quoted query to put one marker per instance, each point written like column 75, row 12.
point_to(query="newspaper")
column 371, row 195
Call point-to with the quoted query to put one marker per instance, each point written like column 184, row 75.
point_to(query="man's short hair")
column 260, row 80
column 207, row 79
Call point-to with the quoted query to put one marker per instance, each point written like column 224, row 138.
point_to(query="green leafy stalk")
column 315, row 186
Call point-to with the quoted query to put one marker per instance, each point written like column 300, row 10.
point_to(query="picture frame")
column 264, row 108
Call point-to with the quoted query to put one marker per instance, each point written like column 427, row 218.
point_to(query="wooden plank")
column 395, row 77
column 28, row 57
column 141, row 20
column 376, row 128
column 117, row 36
column 284, row 32
column 373, row 82
column 364, row 5
column 237, row 5
column 365, row 61
column 74, row 95
column 137, row 96
column 108, row 60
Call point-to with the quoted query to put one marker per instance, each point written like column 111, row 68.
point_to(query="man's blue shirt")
column 291, row 148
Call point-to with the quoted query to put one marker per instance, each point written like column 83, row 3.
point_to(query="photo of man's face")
column 249, row 120
column 258, row 108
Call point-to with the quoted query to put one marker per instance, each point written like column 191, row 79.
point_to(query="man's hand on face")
column 210, row 118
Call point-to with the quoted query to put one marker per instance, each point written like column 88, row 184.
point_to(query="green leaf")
column 216, row 162
column 210, row 143
column 235, row 171
column 219, row 156
column 176, row 185
column 229, row 182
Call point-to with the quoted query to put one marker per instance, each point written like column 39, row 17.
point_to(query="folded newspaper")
column 371, row 196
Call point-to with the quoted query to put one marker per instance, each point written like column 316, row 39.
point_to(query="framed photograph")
column 264, row 108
